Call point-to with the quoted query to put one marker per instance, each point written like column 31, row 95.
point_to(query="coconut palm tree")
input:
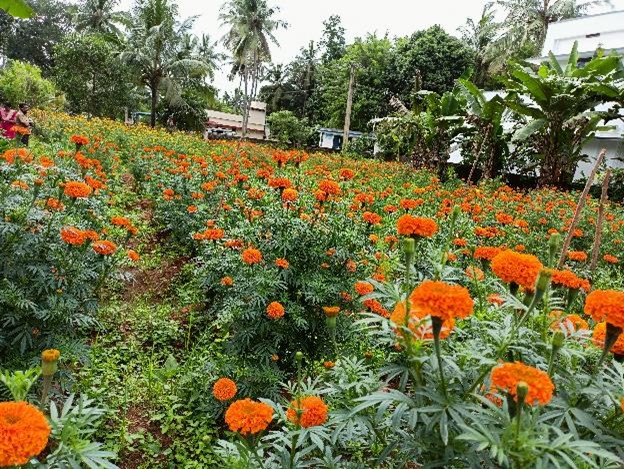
column 162, row 54
column 251, row 24
column 100, row 16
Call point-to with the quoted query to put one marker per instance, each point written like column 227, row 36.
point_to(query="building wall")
column 562, row 35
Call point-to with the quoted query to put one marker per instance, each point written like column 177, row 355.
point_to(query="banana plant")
column 17, row 8
column 485, row 141
column 558, row 106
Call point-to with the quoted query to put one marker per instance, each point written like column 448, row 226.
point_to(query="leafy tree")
column 22, row 82
column 372, row 57
column 287, row 128
column 92, row 76
column 33, row 39
column 251, row 24
column 99, row 16
column 558, row 104
column 333, row 42
column 432, row 57
column 159, row 53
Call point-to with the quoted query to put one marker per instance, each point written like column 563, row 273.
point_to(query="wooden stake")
column 579, row 208
column 604, row 196
column 347, row 125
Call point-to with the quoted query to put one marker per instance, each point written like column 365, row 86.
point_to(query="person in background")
column 22, row 120
column 7, row 120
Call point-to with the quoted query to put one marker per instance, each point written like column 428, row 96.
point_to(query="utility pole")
column 347, row 125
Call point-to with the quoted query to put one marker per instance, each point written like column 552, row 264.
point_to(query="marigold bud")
column 558, row 339
column 299, row 357
column 49, row 362
column 522, row 390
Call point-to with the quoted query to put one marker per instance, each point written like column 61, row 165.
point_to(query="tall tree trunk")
column 154, row 90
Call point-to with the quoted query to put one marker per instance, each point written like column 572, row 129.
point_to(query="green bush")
column 21, row 82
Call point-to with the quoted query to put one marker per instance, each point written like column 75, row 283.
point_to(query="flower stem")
column 437, row 322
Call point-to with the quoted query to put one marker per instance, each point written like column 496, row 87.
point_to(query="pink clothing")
column 7, row 120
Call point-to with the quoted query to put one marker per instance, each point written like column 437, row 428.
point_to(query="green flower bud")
column 522, row 390
column 558, row 339
column 331, row 322
column 299, row 357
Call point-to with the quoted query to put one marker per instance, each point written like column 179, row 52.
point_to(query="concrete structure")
column 226, row 124
column 602, row 31
column 331, row 139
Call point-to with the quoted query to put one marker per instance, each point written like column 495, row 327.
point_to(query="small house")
column 331, row 139
column 225, row 124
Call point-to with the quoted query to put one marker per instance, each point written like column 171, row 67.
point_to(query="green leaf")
column 554, row 63
column 17, row 8
column 529, row 129
column 573, row 60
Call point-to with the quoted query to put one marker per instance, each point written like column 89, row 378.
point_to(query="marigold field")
column 173, row 302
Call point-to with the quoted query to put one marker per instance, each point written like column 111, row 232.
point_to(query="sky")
column 359, row 17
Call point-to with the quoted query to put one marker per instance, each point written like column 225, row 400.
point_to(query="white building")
column 226, row 124
column 602, row 31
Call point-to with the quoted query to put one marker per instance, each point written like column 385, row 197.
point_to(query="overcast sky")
column 305, row 19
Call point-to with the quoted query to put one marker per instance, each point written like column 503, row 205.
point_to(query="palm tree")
column 482, row 36
column 100, row 16
column 251, row 26
column 527, row 21
column 163, row 54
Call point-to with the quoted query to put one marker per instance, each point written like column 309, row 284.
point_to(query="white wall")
column 561, row 35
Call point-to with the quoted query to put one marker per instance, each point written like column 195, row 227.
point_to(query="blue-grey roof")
column 326, row 130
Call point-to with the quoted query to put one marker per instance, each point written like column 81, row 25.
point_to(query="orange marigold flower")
column 610, row 259
column 408, row 225
column 495, row 300
column 486, row 252
column 331, row 311
column 105, row 247
column 506, row 377
column 474, row 273
column 571, row 322
column 79, row 140
column 599, row 337
column 275, row 310
column 227, row 281
column 280, row 183
column 91, row 235
column 419, row 323
column 77, row 189
column 224, row 389
column 371, row 218
column 50, row 355
column 329, row 187
column 346, row 174
column 578, row 256
column 328, row 364
column 192, row 209
column 55, row 204
column 282, row 263
column 513, row 267
column 606, row 305
column 460, row 242
column 248, row 417
column 133, row 255
column 441, row 299
column 567, row 278
column 364, row 288
column 251, row 256
column 290, row 195
column 307, row 412
column 72, row 235
column 120, row 221
column 24, row 433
